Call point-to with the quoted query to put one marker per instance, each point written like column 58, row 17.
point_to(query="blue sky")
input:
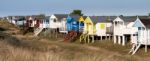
column 89, row 7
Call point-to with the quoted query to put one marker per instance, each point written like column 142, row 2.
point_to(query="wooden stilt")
column 101, row 38
column 80, row 38
column 88, row 39
column 93, row 39
column 56, row 33
column 119, row 39
column 146, row 48
column 85, row 38
column 115, row 39
column 106, row 37
column 109, row 37
column 123, row 40
column 131, row 38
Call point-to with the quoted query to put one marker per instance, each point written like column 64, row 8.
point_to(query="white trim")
column 118, row 19
column 140, row 22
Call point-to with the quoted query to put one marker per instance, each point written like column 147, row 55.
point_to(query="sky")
column 88, row 7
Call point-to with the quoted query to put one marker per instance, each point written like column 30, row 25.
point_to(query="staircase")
column 134, row 48
column 38, row 30
column 70, row 36
column 83, row 38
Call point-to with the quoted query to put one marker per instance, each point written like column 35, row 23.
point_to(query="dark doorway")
column 127, row 37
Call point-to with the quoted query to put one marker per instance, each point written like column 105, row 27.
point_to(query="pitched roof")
column 84, row 17
column 60, row 16
column 111, row 18
column 146, row 22
column 76, row 17
column 35, row 17
column 96, row 19
column 19, row 18
column 128, row 18
column 47, row 17
column 144, row 17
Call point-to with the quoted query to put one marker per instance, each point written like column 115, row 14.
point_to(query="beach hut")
column 58, row 22
column 72, row 27
column 88, row 30
column 88, row 26
column 81, row 23
column 123, row 29
column 104, row 27
column 46, row 22
column 39, row 25
column 34, row 23
column 63, row 27
column 20, row 21
column 142, row 36
column 55, row 20
column 72, row 23
column 14, row 19
column 29, row 21
column 9, row 18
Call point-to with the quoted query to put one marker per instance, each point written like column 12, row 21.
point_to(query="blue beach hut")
column 72, row 23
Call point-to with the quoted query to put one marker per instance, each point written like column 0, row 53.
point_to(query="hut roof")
column 146, row 22
column 96, row 19
column 60, row 16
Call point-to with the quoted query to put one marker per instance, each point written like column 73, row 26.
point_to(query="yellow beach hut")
column 81, row 23
column 89, row 30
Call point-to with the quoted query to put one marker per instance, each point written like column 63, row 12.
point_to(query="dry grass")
column 13, row 49
column 109, row 45
column 55, row 53
column 16, row 47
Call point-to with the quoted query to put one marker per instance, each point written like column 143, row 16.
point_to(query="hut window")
column 115, row 23
column 74, row 22
column 54, row 20
column 139, row 28
column 89, row 23
column 135, row 34
column 102, row 26
column 47, row 20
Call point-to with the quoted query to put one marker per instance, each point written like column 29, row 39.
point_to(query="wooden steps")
column 134, row 48
column 70, row 36
column 37, row 31
column 84, row 38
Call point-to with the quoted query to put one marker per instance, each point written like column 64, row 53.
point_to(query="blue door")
column 75, row 26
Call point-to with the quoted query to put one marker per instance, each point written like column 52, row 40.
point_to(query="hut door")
column 81, row 26
column 89, row 28
column 37, row 23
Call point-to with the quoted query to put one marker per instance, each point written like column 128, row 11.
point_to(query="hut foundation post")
column 119, row 39
column 109, row 36
column 93, row 39
column 147, row 39
column 100, row 38
column 123, row 40
column 106, row 37
column 115, row 39
column 88, row 39
column 132, row 38
column 56, row 33
column 146, row 48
